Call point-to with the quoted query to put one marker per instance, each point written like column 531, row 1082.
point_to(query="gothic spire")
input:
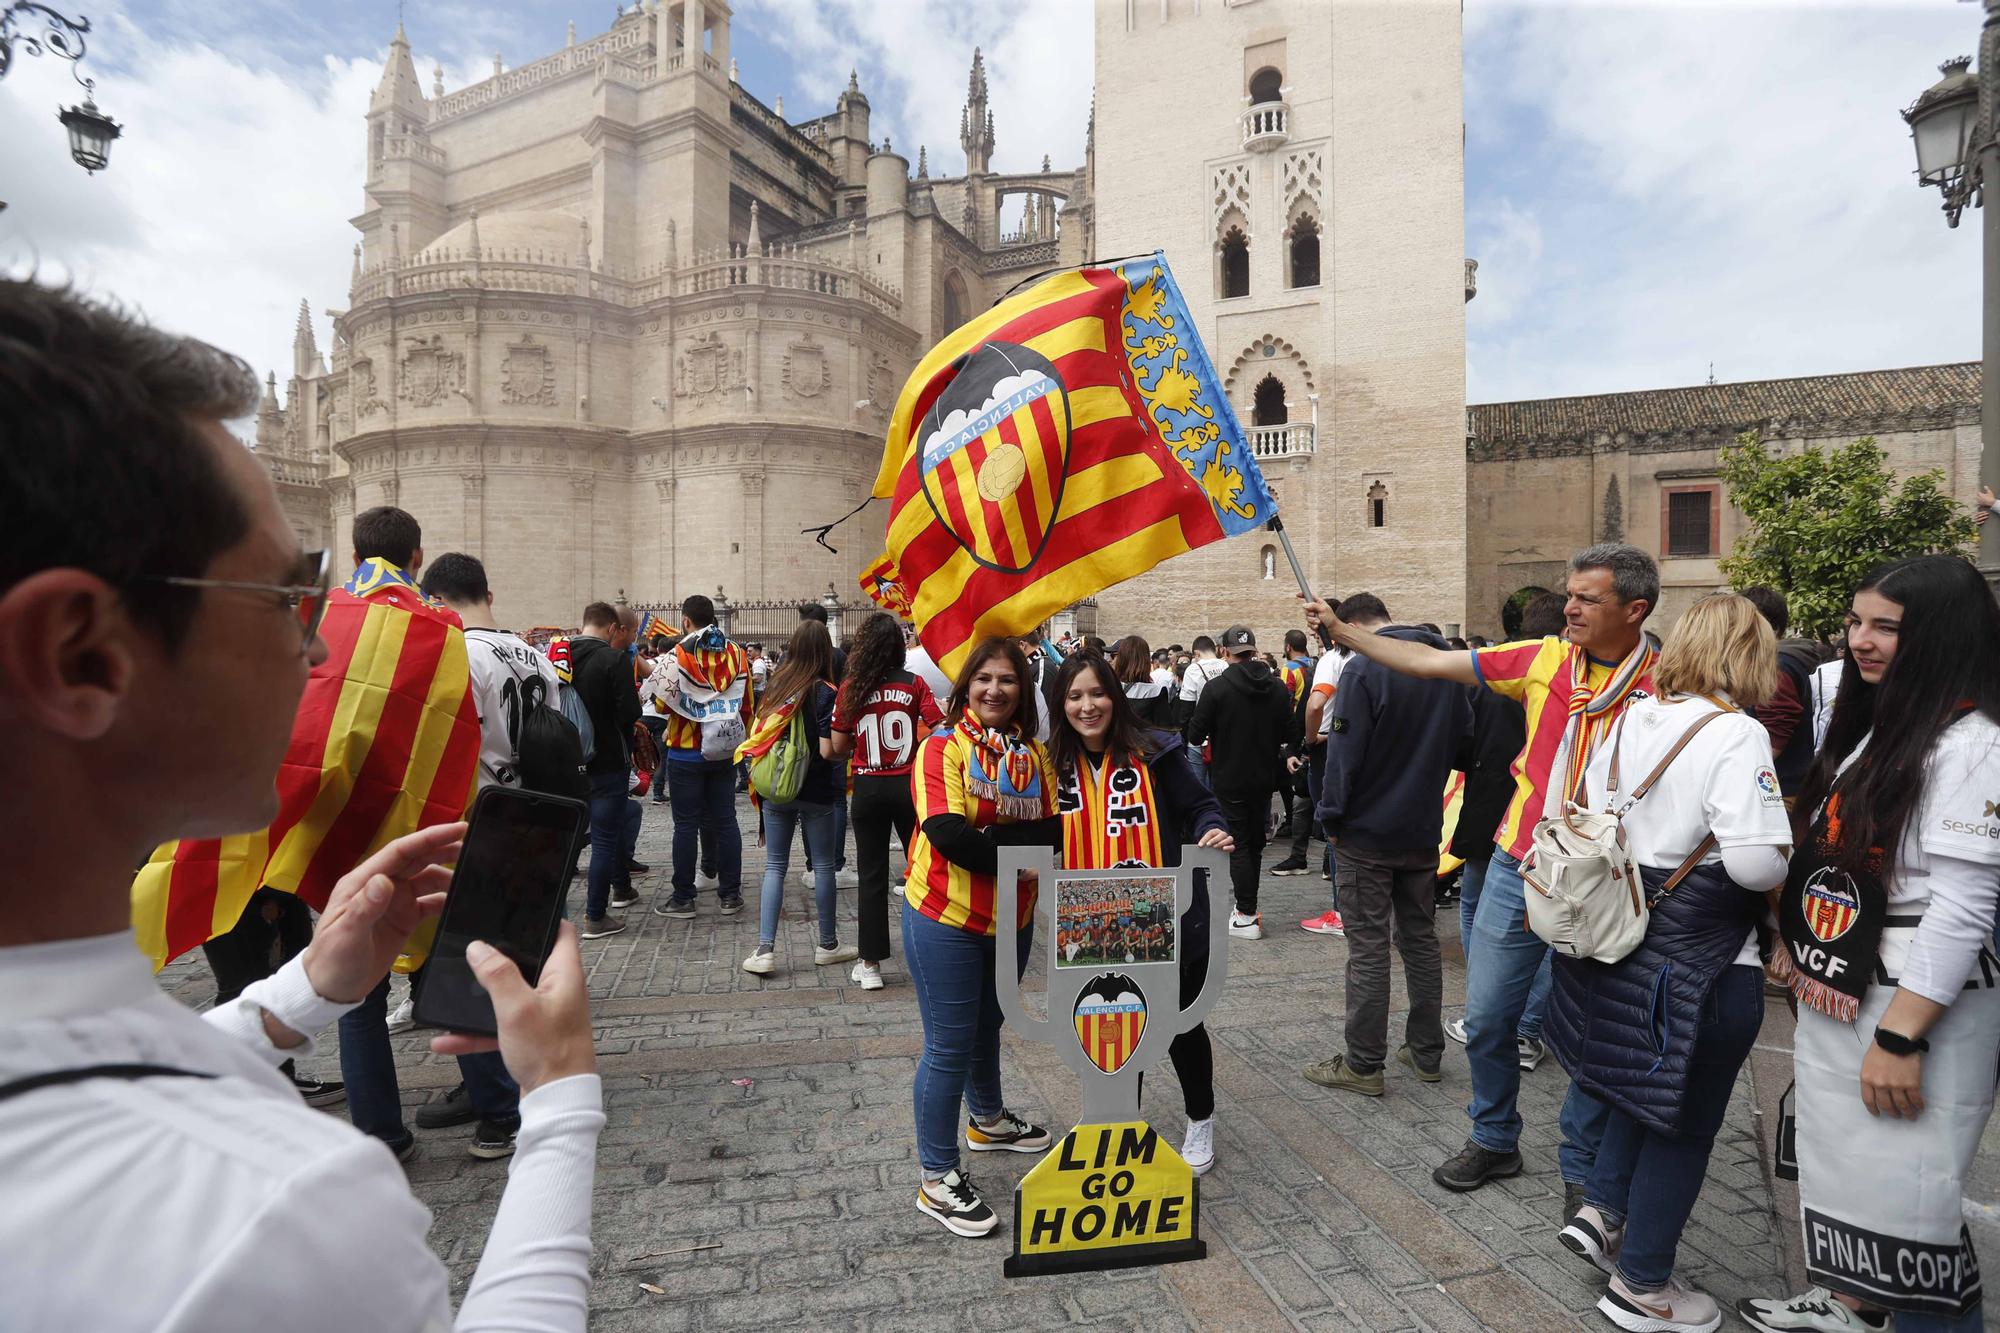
column 305, row 352
column 399, row 89
column 975, row 124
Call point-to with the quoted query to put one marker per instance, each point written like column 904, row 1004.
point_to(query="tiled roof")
column 1709, row 409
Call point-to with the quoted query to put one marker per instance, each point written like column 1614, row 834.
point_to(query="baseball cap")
column 1238, row 639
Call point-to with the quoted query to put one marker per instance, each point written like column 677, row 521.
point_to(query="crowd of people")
column 1812, row 823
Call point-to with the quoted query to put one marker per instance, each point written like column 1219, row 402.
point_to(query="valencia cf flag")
column 1110, row 1019
column 1071, row 437
column 386, row 742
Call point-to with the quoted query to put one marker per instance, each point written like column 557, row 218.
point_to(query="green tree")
column 1818, row 521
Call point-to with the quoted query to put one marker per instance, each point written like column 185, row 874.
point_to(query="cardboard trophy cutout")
column 1112, row 1193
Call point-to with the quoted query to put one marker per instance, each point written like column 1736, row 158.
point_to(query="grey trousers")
column 1385, row 897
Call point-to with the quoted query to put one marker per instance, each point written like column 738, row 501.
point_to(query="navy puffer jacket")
column 1625, row 1031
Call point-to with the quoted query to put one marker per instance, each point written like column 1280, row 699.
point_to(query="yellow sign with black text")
column 1107, row 1196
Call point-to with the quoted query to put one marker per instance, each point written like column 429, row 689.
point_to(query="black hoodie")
column 1394, row 740
column 1245, row 714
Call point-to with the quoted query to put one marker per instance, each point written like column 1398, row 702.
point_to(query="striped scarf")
column 1003, row 770
column 1592, row 711
column 1110, row 817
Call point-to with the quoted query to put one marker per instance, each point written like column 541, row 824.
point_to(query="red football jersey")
column 900, row 712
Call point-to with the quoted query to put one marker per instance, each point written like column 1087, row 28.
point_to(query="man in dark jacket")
column 1395, row 739
column 1245, row 717
column 602, row 676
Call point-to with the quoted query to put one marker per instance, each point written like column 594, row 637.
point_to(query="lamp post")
column 90, row 130
column 1953, row 124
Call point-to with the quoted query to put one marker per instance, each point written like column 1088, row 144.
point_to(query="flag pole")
column 1277, row 525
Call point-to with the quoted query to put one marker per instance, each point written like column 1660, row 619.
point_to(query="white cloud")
column 1726, row 184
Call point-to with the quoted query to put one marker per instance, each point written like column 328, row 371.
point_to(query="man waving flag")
column 1071, row 437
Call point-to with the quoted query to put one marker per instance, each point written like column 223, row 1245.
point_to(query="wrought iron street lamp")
column 39, row 30
column 1953, row 124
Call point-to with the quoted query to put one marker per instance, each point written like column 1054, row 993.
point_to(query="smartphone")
column 509, row 890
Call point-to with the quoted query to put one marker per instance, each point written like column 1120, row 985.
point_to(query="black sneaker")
column 454, row 1108
column 404, row 1150
column 638, row 868
column 1010, row 1134
column 1474, row 1166
column 602, row 926
column 953, row 1202
column 1291, row 865
column 623, row 896
column 677, row 907
column 320, row 1092
column 494, row 1139
column 731, row 904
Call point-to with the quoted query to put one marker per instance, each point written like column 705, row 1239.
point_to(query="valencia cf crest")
column 1830, row 904
column 994, row 453
column 1110, row 1019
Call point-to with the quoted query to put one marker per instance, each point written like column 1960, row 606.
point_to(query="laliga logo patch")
column 993, row 454
column 1110, row 1018
column 1767, row 782
column 1830, row 904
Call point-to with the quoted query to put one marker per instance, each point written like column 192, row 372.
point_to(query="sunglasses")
column 307, row 600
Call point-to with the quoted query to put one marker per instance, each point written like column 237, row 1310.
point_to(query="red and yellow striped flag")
column 386, row 742
column 1068, row 439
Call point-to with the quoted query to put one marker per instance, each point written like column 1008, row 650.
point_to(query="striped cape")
column 1070, row 438
column 386, row 742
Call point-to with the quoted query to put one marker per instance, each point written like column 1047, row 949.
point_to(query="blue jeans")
column 952, row 971
column 703, row 793
column 1502, row 960
column 495, row 1095
column 1973, row 1321
column 1315, row 782
column 374, row 1102
column 818, row 824
column 614, row 836
column 1651, row 1180
column 1470, row 885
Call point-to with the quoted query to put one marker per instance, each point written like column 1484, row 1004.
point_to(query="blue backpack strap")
column 56, row 1077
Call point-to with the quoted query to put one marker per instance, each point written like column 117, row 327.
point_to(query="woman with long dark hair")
column 981, row 780
column 803, row 684
column 1887, row 920
column 882, row 712
column 1099, row 744
column 1132, row 664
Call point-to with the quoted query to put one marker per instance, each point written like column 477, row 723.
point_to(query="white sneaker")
column 1198, row 1148
column 1815, row 1310
column 1590, row 1237
column 764, row 962
column 403, row 1017
column 806, row 877
column 839, row 953
column 953, row 1202
column 1455, row 1029
column 702, row 881
column 1246, row 927
column 868, row 974
column 1674, row 1308
column 846, row 879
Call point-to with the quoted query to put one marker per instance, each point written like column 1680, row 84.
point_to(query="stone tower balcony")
column 1266, row 125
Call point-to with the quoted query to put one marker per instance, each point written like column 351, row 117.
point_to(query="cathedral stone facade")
column 619, row 327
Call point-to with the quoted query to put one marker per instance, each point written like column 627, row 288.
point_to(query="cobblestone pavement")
column 1320, row 1212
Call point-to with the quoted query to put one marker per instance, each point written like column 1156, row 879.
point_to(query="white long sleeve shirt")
column 196, row 1204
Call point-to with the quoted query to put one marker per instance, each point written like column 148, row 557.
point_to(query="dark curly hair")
column 877, row 654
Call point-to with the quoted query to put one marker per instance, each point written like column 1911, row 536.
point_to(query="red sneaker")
column 1328, row 924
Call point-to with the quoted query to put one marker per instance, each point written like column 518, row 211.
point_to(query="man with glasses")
column 155, row 622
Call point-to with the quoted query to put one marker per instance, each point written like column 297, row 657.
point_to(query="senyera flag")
column 386, row 742
column 1071, row 437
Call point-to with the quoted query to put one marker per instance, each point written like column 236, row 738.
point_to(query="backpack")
column 579, row 718
column 777, row 774
column 1585, row 896
column 721, row 735
column 548, row 754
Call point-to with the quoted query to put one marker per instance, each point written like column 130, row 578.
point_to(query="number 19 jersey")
column 886, row 728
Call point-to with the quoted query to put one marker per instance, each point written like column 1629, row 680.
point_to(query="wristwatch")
column 1895, row 1043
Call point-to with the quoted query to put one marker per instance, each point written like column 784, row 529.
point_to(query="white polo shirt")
column 198, row 1204
column 1325, row 681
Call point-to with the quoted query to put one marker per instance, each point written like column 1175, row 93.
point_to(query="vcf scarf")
column 1592, row 711
column 1832, row 921
column 1109, row 816
column 1003, row 770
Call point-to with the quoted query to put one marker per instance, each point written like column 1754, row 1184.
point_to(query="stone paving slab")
column 1320, row 1212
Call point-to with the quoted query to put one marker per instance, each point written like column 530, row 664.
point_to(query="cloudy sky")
column 1651, row 189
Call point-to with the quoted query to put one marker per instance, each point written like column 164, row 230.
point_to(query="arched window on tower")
column 1266, row 85
column 1267, row 403
column 1378, row 506
column 1302, row 252
column 1235, row 263
column 955, row 303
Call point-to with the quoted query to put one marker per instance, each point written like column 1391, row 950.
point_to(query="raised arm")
column 1399, row 655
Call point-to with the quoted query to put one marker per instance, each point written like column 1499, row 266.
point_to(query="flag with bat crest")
column 1070, row 438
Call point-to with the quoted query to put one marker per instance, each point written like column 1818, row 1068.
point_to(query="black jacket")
column 602, row 678
column 1499, row 733
column 1153, row 703
column 1394, row 740
column 1245, row 715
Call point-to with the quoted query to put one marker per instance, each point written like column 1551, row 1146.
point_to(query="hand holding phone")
column 544, row 1029
column 374, row 907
